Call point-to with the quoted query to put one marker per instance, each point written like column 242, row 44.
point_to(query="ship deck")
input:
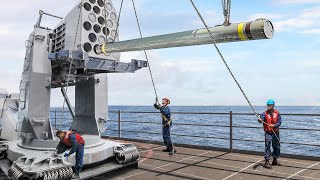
column 197, row 163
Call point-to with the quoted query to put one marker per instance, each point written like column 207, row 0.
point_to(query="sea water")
column 210, row 133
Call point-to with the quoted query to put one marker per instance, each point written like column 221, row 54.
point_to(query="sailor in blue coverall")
column 166, row 124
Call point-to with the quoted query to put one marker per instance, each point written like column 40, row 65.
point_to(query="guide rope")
column 120, row 10
column 105, row 21
column 145, row 53
column 227, row 66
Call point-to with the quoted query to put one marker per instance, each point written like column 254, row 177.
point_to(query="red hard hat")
column 167, row 99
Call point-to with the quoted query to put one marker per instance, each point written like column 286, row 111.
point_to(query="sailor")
column 72, row 140
column 271, row 120
column 166, row 124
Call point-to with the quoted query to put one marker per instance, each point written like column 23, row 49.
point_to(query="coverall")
column 270, row 138
column 75, row 148
column 166, row 125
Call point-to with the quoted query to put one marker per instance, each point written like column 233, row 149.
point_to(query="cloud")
column 5, row 31
column 10, row 81
column 270, row 16
column 300, row 22
column 211, row 17
column 190, row 65
column 283, row 2
column 311, row 31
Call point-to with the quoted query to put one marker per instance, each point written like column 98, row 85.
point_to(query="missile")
column 254, row 30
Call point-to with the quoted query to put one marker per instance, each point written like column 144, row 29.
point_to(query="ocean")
column 210, row 133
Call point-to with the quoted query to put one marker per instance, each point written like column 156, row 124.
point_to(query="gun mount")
column 80, row 51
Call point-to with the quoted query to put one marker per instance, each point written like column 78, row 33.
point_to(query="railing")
column 231, row 126
column 231, row 139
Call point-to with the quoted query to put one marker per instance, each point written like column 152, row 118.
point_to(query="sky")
column 285, row 68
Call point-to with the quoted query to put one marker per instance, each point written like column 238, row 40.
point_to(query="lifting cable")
column 118, row 23
column 227, row 66
column 149, row 67
column 145, row 53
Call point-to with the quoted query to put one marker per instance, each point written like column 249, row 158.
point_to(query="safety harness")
column 166, row 120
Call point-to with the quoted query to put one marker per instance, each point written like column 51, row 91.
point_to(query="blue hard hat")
column 270, row 102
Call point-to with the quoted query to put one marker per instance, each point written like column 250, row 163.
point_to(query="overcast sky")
column 285, row 68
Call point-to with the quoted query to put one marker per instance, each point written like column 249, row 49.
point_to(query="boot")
column 166, row 150
column 172, row 150
column 275, row 162
column 76, row 175
column 267, row 164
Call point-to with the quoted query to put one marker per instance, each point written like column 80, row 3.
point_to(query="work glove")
column 272, row 125
column 55, row 153
column 66, row 155
column 260, row 120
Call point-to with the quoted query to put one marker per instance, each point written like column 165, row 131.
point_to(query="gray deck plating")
column 102, row 169
column 191, row 163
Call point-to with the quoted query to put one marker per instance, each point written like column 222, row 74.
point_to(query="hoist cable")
column 105, row 29
column 118, row 20
column 145, row 53
column 227, row 66
column 118, row 23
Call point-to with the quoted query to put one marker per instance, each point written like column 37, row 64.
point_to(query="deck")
column 191, row 163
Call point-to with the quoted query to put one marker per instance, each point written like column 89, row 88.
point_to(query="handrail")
column 230, row 125
column 204, row 113
column 216, row 125
column 211, row 137
column 210, row 113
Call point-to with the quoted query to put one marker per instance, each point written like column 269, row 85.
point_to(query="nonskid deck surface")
column 191, row 163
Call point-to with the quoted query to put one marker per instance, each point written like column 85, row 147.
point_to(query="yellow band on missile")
column 103, row 49
column 240, row 32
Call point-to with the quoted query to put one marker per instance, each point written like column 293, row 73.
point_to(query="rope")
column 71, row 63
column 105, row 22
column 4, row 103
column 145, row 53
column 118, row 23
column 227, row 66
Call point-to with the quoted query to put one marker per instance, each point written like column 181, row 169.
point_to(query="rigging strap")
column 227, row 66
column 226, row 4
column 145, row 53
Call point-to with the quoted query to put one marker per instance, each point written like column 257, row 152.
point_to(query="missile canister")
column 258, row 29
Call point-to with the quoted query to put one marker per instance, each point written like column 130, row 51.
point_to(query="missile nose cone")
column 260, row 29
column 268, row 29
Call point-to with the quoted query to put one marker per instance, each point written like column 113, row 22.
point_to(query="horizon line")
column 216, row 105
